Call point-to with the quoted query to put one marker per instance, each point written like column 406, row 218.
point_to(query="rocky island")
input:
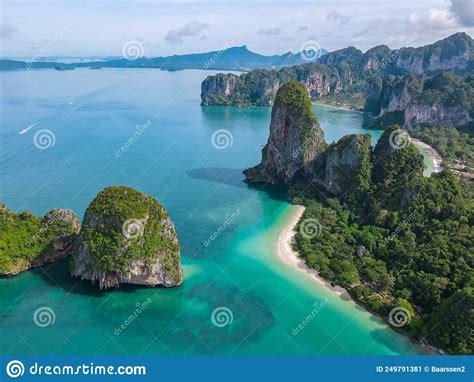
column 296, row 151
column 127, row 237
column 296, row 138
column 28, row 241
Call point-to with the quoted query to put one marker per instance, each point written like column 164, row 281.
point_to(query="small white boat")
column 27, row 128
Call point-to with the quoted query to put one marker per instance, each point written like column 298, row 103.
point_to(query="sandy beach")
column 437, row 159
column 289, row 257
column 314, row 102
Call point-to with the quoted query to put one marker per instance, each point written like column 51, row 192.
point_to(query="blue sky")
column 102, row 27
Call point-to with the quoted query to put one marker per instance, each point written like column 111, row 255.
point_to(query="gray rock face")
column 287, row 152
column 436, row 114
column 444, row 99
column 417, row 61
column 340, row 76
column 295, row 140
column 127, row 237
column 296, row 149
column 320, row 84
column 215, row 89
column 344, row 164
column 63, row 215
column 259, row 87
column 63, row 246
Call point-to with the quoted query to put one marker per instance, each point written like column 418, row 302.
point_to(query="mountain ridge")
column 341, row 77
column 238, row 58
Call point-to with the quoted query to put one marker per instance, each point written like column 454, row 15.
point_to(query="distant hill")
column 347, row 77
column 236, row 58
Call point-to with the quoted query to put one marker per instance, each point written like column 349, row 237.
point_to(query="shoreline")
column 289, row 257
column 346, row 108
column 437, row 159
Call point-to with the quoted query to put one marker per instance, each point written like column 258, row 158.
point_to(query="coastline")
column 289, row 257
column 437, row 159
column 346, row 108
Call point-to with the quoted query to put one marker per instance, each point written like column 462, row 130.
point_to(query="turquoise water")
column 92, row 114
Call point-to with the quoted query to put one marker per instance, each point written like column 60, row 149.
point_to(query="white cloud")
column 111, row 22
column 192, row 28
column 270, row 31
column 7, row 31
column 433, row 19
column 419, row 27
column 337, row 17
column 464, row 11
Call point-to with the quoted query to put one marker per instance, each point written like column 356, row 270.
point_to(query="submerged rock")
column 28, row 241
column 127, row 237
column 295, row 140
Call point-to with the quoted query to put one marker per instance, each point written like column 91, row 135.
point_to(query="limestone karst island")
column 126, row 237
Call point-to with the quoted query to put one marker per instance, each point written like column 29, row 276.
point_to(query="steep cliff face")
column 444, row 99
column 29, row 241
column 455, row 115
column 295, row 140
column 127, row 237
column 347, row 166
column 320, row 83
column 218, row 89
column 259, row 87
column 340, row 77
column 451, row 54
column 296, row 150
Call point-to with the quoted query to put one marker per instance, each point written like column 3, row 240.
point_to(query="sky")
column 103, row 28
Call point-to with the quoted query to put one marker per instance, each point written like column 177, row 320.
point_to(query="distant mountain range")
column 236, row 58
column 404, row 86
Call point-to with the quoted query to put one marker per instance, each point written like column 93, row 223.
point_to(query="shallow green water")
column 92, row 113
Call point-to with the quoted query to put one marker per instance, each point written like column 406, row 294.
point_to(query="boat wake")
column 26, row 129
